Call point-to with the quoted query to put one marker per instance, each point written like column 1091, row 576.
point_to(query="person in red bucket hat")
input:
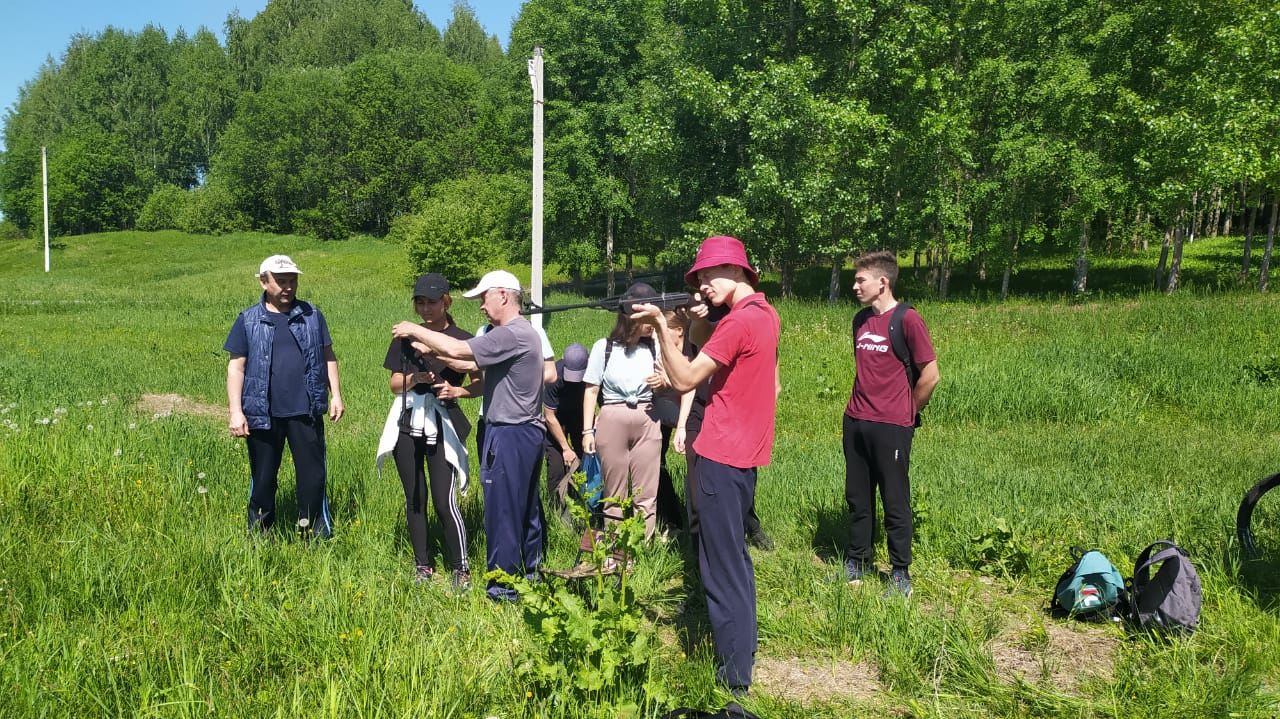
column 721, row 250
column 739, row 357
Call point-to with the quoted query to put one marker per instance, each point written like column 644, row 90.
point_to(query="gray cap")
column 575, row 362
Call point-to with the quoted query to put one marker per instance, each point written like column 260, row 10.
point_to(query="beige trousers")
column 629, row 444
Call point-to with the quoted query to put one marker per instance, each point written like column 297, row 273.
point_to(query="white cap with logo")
column 495, row 280
column 279, row 264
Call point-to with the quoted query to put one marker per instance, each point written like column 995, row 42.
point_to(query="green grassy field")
column 128, row 588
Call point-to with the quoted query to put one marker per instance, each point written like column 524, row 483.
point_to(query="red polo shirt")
column 881, row 392
column 737, row 428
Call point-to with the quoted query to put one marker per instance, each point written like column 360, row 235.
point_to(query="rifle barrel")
column 665, row 301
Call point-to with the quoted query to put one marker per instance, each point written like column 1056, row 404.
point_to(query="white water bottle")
column 1089, row 598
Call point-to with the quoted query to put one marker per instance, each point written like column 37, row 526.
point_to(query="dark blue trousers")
column 510, row 469
column 720, row 497
column 305, row 435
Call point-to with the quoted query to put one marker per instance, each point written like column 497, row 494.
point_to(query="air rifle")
column 664, row 301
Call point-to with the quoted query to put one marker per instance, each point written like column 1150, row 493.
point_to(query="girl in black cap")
column 427, row 429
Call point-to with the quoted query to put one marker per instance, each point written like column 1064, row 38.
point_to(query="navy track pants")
column 510, row 469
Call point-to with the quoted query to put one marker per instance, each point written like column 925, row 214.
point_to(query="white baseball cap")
column 278, row 264
column 495, row 280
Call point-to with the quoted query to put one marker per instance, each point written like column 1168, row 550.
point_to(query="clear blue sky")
column 33, row 30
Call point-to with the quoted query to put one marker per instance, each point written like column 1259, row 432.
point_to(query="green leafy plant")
column 163, row 208
column 594, row 643
column 9, row 230
column 1265, row 371
column 999, row 551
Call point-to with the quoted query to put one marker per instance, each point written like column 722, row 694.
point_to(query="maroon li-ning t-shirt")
column 881, row 392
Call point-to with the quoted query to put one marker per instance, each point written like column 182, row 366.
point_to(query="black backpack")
column 897, row 339
column 1168, row 601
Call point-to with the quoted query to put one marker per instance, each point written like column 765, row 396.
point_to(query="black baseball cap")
column 637, row 291
column 432, row 285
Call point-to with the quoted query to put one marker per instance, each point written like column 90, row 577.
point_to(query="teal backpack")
column 1090, row 587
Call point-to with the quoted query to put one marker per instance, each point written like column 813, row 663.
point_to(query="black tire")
column 1244, row 517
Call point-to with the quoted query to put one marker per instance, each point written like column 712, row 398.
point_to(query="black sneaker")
column 460, row 580
column 899, row 583
column 856, row 571
column 761, row 541
column 424, row 573
column 734, row 710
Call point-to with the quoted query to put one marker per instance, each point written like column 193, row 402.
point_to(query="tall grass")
column 127, row 586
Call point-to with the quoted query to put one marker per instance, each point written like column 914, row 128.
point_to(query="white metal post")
column 44, row 184
column 535, row 282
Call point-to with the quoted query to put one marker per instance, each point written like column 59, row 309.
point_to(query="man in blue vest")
column 279, row 379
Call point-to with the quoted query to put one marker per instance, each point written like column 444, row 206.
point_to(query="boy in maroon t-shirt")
column 741, row 357
column 879, row 422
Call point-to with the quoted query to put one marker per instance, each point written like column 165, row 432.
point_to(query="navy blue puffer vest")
column 304, row 323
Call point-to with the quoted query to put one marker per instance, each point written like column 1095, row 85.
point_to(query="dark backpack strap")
column 898, row 338
column 1150, row 558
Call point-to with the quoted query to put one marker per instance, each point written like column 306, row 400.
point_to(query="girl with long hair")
column 623, row 370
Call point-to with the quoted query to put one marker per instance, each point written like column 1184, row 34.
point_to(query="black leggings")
column 671, row 510
column 411, row 455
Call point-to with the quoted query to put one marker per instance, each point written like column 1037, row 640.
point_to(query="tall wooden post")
column 44, row 184
column 535, row 282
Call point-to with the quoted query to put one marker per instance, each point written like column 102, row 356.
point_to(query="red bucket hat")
column 721, row 250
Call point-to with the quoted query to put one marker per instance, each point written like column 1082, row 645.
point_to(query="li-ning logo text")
column 875, row 345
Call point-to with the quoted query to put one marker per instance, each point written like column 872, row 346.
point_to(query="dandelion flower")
column 200, row 475
column 117, row 452
column 304, row 523
column 202, row 489
column 42, row 420
column 55, row 420
column 528, row 695
column 104, row 400
column 88, row 427
column 59, row 410
column 133, row 425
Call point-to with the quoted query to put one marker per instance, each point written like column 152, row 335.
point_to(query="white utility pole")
column 535, row 79
column 44, row 183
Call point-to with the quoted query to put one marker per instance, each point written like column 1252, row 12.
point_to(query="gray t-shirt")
column 511, row 357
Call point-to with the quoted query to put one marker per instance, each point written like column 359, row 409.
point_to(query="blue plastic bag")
column 593, row 488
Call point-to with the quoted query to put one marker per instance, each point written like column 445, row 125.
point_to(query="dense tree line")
column 969, row 133
column 321, row 117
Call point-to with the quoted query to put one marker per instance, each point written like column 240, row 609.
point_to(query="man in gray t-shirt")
column 511, row 357
column 510, row 459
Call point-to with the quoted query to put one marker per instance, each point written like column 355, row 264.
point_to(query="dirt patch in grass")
column 806, row 680
column 163, row 405
column 1061, row 656
column 1031, row 645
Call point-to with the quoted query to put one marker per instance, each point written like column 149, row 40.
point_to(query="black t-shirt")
column 288, row 389
column 401, row 357
column 565, row 399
